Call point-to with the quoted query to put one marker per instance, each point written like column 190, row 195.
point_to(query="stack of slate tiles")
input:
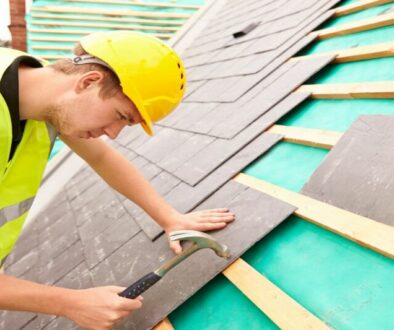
column 238, row 87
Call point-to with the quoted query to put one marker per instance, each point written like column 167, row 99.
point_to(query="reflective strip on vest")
column 15, row 211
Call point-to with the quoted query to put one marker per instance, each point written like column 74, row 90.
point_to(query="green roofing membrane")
column 335, row 115
column 357, row 16
column 342, row 283
column 364, row 38
column 379, row 69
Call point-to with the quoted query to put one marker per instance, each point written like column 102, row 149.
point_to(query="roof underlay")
column 327, row 264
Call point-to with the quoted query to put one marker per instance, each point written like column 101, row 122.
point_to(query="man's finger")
column 214, row 219
column 176, row 247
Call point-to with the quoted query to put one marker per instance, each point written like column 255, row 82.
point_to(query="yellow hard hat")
column 151, row 73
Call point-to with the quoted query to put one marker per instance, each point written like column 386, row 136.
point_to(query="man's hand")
column 99, row 308
column 204, row 220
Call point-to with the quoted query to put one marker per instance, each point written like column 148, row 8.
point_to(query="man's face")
column 85, row 114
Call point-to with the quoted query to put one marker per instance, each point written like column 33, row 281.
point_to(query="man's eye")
column 121, row 116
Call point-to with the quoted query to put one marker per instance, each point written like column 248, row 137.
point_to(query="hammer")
column 199, row 241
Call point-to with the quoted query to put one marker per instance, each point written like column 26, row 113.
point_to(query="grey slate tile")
column 191, row 87
column 14, row 320
column 204, row 162
column 146, row 167
column 186, row 151
column 185, row 197
column 61, row 324
column 266, row 98
column 212, row 90
column 101, row 246
column 100, row 219
column 88, row 196
column 51, row 272
column 128, row 135
column 56, row 238
column 164, row 143
column 257, row 215
column 163, row 183
column 27, row 241
column 39, row 322
column 21, row 266
column 131, row 261
column 357, row 174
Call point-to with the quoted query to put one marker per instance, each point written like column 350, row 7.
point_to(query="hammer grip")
column 143, row 284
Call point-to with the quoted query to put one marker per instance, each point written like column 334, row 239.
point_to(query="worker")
column 116, row 79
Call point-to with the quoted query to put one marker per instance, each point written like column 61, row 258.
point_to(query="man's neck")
column 39, row 88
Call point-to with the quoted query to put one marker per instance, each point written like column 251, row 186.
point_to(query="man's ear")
column 87, row 80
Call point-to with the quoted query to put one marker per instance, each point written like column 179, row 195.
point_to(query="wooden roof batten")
column 177, row 22
column 108, row 26
column 358, row 6
column 120, row 13
column 358, row 26
column 139, row 3
column 355, row 54
column 85, row 32
column 164, row 325
column 359, row 90
column 307, row 136
column 366, row 232
column 270, row 299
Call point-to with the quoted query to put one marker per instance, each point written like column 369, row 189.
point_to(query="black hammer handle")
column 143, row 284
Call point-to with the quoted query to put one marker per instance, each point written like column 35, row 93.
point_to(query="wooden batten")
column 363, row 25
column 307, row 136
column 85, row 32
column 358, row 6
column 107, row 26
column 369, row 233
column 285, row 312
column 52, row 47
column 355, row 54
column 177, row 22
column 54, row 39
column 138, row 3
column 164, row 325
column 382, row 89
column 120, row 13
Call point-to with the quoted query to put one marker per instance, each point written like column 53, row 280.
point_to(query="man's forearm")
column 21, row 295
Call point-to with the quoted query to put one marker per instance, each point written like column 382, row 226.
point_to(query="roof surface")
column 238, row 88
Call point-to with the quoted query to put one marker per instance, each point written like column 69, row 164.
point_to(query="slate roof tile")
column 357, row 173
column 102, row 245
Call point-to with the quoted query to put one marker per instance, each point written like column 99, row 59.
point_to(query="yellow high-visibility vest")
column 20, row 176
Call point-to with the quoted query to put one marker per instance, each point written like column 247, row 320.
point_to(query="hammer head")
column 202, row 240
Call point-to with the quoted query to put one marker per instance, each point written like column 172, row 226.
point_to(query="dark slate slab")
column 257, row 214
column 15, row 320
column 204, row 162
column 161, row 145
column 52, row 272
column 266, row 96
column 185, row 197
column 357, row 175
column 186, row 151
column 103, row 245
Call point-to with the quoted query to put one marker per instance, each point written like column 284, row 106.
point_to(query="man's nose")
column 113, row 130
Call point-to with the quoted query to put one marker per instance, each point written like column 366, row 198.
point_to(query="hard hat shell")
column 151, row 73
